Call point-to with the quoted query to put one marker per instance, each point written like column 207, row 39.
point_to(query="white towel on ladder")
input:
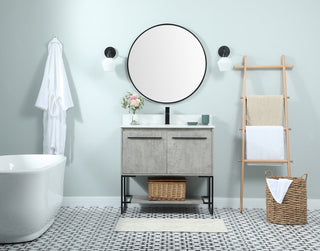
column 265, row 143
column 55, row 99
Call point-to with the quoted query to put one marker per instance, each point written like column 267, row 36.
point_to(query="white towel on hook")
column 278, row 188
column 55, row 99
column 265, row 143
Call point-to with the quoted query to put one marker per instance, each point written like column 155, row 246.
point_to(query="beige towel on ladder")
column 265, row 110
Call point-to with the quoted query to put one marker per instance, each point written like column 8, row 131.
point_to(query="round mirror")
column 167, row 63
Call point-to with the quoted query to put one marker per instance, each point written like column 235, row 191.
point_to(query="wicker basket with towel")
column 293, row 208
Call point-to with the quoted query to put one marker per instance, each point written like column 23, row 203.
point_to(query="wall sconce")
column 224, row 63
column 108, row 63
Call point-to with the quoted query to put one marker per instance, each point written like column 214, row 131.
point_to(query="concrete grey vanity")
column 177, row 149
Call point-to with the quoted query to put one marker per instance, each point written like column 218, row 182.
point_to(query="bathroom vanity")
column 156, row 149
column 159, row 68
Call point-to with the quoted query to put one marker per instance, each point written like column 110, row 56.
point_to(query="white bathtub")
column 31, row 193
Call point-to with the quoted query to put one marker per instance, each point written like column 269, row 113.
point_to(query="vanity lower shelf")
column 126, row 198
column 190, row 201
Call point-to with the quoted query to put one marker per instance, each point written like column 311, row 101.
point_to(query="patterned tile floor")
column 91, row 228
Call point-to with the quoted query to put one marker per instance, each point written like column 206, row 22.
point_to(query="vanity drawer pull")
column 189, row 138
column 145, row 137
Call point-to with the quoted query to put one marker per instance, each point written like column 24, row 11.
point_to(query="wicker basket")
column 293, row 209
column 168, row 189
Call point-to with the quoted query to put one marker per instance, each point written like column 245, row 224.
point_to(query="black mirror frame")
column 204, row 74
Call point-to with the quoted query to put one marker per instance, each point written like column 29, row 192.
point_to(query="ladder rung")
column 265, row 161
column 237, row 67
column 240, row 129
column 247, row 97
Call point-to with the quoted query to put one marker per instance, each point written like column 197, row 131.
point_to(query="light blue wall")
column 262, row 30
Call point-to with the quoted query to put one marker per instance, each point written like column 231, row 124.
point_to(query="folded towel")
column 265, row 143
column 265, row 110
column 278, row 188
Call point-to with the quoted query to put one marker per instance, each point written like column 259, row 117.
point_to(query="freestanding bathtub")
column 31, row 193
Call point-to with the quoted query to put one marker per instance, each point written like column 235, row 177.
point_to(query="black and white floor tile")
column 91, row 228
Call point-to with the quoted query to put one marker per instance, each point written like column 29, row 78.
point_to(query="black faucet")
column 167, row 115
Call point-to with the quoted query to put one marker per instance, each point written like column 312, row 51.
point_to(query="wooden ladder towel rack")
column 246, row 67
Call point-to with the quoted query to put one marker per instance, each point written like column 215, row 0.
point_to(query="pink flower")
column 133, row 97
column 135, row 103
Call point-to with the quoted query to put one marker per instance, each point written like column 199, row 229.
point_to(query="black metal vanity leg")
column 124, row 193
column 121, row 194
column 212, row 193
column 209, row 196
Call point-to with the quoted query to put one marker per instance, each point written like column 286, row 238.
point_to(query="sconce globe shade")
column 225, row 64
column 108, row 64
column 110, row 52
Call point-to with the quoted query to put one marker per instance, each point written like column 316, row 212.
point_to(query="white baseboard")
column 219, row 202
column 74, row 201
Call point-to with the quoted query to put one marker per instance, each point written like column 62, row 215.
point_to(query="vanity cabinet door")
column 143, row 151
column 190, row 152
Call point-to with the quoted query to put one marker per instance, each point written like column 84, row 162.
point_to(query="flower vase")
column 133, row 121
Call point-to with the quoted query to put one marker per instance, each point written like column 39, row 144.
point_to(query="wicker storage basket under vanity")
column 167, row 188
column 293, row 209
